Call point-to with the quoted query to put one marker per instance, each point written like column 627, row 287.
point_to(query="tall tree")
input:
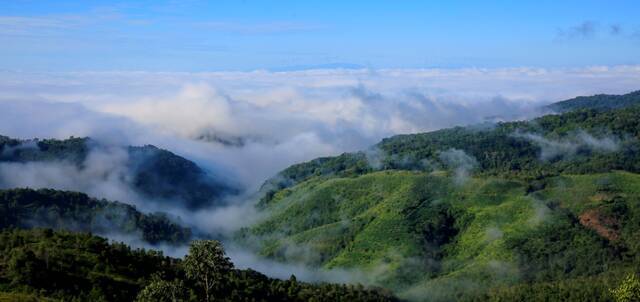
column 207, row 264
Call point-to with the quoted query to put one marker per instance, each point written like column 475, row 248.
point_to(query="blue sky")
column 279, row 35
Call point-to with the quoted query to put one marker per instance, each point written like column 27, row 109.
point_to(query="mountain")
column 43, row 265
column 574, row 142
column 545, row 209
column 599, row 101
column 151, row 172
column 73, row 211
column 337, row 65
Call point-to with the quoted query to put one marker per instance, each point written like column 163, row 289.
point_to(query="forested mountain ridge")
column 546, row 209
column 73, row 211
column 598, row 102
column 582, row 141
column 152, row 172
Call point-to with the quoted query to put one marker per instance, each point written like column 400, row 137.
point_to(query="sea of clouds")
column 247, row 126
column 257, row 123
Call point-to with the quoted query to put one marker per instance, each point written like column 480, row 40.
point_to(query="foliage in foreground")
column 79, row 267
column 629, row 290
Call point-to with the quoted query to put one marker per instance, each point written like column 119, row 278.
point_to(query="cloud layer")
column 257, row 123
column 249, row 125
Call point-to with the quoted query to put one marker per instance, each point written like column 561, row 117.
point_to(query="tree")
column 629, row 290
column 163, row 291
column 206, row 264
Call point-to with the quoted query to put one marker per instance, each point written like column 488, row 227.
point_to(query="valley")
column 541, row 209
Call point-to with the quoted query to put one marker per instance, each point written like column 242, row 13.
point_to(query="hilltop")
column 599, row 102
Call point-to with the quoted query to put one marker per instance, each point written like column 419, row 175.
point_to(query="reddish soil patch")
column 605, row 226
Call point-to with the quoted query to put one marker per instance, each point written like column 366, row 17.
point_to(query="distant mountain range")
column 317, row 67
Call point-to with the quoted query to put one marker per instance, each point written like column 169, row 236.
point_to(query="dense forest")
column 46, row 265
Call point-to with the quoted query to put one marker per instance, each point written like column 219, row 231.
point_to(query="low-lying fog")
column 246, row 126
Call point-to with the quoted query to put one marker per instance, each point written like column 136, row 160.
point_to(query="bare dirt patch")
column 606, row 227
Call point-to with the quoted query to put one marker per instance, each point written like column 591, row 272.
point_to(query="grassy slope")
column 341, row 219
column 364, row 221
column 369, row 222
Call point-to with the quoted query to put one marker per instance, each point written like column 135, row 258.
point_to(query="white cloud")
column 104, row 174
column 281, row 118
column 271, row 119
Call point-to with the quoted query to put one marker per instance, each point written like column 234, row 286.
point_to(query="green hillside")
column 73, row 211
column 511, row 149
column 545, row 209
column 423, row 235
